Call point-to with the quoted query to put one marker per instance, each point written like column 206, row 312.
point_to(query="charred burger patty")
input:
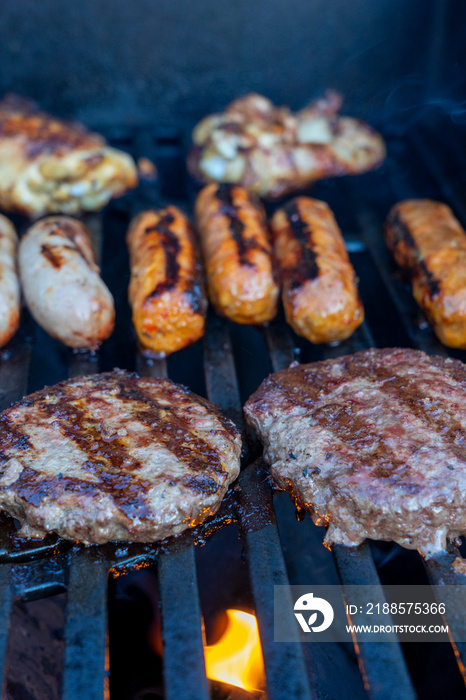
column 114, row 457
column 373, row 444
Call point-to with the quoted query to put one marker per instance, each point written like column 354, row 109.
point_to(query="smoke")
column 406, row 98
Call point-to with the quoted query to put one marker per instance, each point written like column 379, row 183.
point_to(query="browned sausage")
column 237, row 254
column 429, row 243
column 320, row 295
column 166, row 290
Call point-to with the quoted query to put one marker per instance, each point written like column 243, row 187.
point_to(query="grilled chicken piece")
column 320, row 295
column 166, row 288
column 115, row 457
column 429, row 244
column 373, row 444
column 237, row 254
column 61, row 283
column 271, row 151
column 10, row 293
column 48, row 165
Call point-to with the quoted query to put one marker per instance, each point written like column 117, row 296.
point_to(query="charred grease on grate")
column 172, row 248
column 244, row 244
column 400, row 233
column 306, row 268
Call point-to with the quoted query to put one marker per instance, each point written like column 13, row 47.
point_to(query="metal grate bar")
column 82, row 364
column 93, row 221
column 382, row 664
column 440, row 572
column 14, row 369
column 37, row 579
column 262, row 543
column 86, row 627
column 146, row 367
column 6, row 602
column 219, row 366
column 183, row 644
column 281, row 346
column 285, row 664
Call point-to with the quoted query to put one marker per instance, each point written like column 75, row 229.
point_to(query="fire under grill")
column 226, row 366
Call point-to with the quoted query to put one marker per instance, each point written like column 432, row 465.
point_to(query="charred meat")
column 115, row 457
column 373, row 444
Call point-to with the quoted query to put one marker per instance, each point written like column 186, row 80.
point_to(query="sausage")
column 10, row 294
column 319, row 294
column 61, row 283
column 237, row 254
column 166, row 289
column 429, row 244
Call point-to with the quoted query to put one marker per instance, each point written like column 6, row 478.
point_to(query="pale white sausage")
column 61, row 283
column 10, row 295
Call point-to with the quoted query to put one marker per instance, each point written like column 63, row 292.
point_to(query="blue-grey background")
column 172, row 61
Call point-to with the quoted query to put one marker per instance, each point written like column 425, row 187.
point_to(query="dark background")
column 173, row 61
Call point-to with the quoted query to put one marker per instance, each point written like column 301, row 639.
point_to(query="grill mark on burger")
column 87, row 420
column 170, row 430
column 244, row 244
column 111, row 462
column 306, row 268
column 171, row 248
column 347, row 423
column 200, row 483
column 435, row 416
column 400, row 233
column 309, row 387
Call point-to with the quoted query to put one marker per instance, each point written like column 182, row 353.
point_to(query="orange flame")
column 237, row 657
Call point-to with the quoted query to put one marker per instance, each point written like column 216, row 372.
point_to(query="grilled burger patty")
column 115, row 457
column 374, row 444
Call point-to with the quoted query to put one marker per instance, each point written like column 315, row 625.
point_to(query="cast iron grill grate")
column 227, row 366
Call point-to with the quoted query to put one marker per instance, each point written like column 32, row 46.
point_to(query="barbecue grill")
column 425, row 144
column 227, row 366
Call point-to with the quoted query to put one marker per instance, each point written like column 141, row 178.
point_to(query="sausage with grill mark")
column 428, row 243
column 166, row 289
column 319, row 295
column 237, row 253
column 61, row 283
column 10, row 295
